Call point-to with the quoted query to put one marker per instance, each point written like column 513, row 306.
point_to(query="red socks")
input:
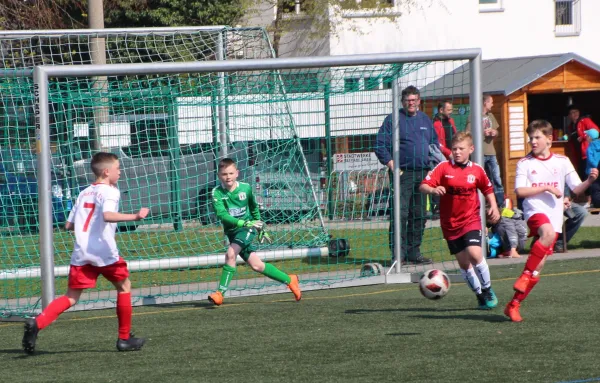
column 520, row 297
column 54, row 309
column 537, row 254
column 124, row 314
column 62, row 304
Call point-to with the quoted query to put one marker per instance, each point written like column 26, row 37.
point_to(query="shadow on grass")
column 484, row 318
column 403, row 310
column 479, row 317
column 403, row 333
column 20, row 354
column 585, row 245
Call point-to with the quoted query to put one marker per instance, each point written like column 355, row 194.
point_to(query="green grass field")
column 385, row 333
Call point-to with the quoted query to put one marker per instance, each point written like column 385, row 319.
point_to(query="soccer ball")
column 434, row 284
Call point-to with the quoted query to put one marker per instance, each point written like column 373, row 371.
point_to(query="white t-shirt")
column 94, row 238
column 555, row 171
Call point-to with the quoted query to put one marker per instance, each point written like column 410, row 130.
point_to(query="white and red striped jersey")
column 555, row 170
column 95, row 238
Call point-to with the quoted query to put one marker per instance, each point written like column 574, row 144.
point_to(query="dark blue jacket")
column 416, row 134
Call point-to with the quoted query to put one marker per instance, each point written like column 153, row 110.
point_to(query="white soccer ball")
column 434, row 284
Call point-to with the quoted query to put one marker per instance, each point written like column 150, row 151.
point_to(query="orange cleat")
column 512, row 311
column 216, row 298
column 294, row 287
column 522, row 282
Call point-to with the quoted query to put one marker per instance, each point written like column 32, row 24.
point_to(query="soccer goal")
column 302, row 131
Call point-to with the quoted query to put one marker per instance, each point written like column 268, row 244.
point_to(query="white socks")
column 471, row 278
column 483, row 272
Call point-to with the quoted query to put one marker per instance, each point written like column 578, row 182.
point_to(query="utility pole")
column 98, row 53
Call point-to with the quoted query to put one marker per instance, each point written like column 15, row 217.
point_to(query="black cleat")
column 131, row 344
column 482, row 301
column 30, row 335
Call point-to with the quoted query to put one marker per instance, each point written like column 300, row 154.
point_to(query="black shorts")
column 470, row 238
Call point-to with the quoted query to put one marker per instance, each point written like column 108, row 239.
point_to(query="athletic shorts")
column 470, row 238
column 243, row 237
column 85, row 277
column 534, row 223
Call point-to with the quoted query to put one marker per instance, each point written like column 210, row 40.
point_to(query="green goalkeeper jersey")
column 235, row 207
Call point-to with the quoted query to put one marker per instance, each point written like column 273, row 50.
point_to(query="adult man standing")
column 444, row 127
column 416, row 134
column 490, row 162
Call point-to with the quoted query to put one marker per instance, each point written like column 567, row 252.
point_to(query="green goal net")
column 303, row 139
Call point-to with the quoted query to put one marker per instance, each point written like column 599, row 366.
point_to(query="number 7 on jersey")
column 88, row 205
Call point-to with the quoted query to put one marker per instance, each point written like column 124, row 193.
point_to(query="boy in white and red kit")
column 540, row 180
column 94, row 219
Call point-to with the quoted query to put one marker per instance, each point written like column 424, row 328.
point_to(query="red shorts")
column 85, row 277
column 535, row 222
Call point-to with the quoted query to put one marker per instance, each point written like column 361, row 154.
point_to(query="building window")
column 351, row 84
column 372, row 83
column 490, row 6
column 567, row 17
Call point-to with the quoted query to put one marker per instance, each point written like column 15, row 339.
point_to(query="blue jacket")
column 593, row 156
column 416, row 134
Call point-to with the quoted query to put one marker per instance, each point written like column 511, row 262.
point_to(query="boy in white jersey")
column 94, row 219
column 540, row 180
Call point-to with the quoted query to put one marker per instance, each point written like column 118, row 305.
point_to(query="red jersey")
column 459, row 207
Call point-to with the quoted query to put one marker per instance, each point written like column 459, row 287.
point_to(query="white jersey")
column 95, row 238
column 554, row 171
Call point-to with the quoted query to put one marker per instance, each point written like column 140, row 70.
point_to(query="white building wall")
column 523, row 28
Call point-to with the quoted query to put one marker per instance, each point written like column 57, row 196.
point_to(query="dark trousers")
column 413, row 206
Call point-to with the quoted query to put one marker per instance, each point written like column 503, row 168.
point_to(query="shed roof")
column 502, row 76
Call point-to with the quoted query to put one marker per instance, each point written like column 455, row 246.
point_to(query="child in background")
column 593, row 150
column 511, row 232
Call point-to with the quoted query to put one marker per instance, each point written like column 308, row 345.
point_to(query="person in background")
column 490, row 162
column 416, row 134
column 444, row 127
column 578, row 141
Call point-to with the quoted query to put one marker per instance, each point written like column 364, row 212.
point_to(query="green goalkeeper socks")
column 276, row 274
column 226, row 277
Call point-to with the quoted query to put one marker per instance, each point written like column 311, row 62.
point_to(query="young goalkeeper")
column 237, row 209
column 540, row 180
column 456, row 182
column 94, row 219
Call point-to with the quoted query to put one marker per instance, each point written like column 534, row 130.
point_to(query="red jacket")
column 584, row 123
column 441, row 133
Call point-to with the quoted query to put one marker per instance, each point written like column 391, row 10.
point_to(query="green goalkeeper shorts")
column 243, row 237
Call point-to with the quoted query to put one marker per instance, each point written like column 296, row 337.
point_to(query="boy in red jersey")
column 540, row 180
column 94, row 220
column 456, row 182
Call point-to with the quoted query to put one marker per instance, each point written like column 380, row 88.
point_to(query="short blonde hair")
column 462, row 136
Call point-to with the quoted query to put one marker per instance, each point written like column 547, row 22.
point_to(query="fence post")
column 328, row 149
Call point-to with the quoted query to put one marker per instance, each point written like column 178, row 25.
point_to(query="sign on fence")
column 356, row 161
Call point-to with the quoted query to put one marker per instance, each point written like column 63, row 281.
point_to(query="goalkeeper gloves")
column 258, row 225
column 263, row 237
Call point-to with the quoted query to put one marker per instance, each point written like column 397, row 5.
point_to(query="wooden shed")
column 524, row 89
